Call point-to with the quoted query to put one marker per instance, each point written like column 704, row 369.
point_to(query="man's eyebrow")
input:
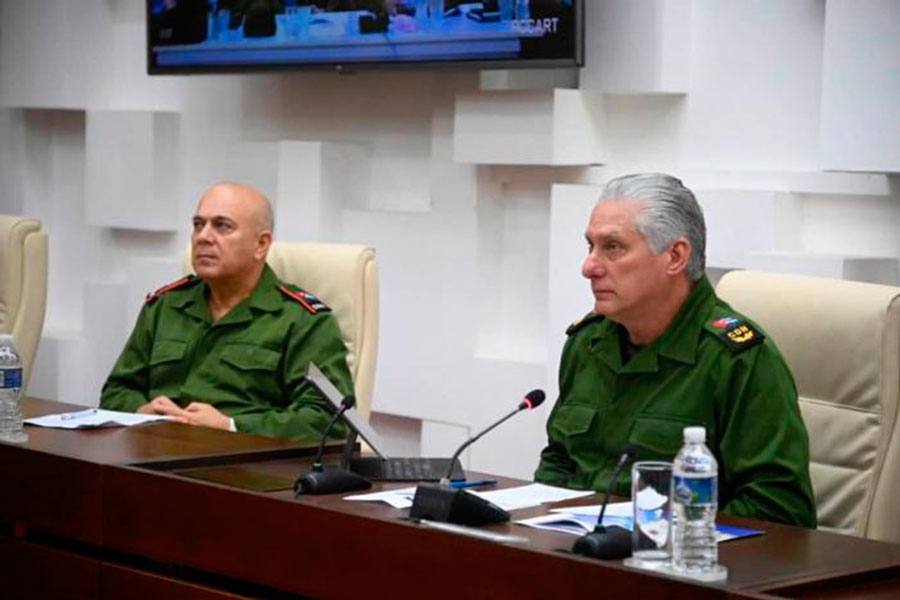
column 213, row 218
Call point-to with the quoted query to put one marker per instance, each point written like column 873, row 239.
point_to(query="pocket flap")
column 166, row 351
column 573, row 419
column 662, row 436
column 247, row 357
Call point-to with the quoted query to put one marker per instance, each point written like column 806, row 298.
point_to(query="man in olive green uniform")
column 661, row 352
column 229, row 348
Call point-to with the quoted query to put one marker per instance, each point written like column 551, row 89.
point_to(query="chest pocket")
column 168, row 368
column 658, row 438
column 251, row 358
column 573, row 426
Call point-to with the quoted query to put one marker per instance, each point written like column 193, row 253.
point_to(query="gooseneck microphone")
column 346, row 404
column 333, row 480
column 532, row 400
column 443, row 502
column 608, row 543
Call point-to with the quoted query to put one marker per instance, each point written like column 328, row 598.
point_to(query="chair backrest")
column 841, row 340
column 23, row 285
column 345, row 277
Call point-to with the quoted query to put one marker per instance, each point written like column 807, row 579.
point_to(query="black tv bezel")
column 349, row 67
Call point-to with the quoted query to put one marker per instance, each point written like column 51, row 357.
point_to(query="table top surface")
column 144, row 465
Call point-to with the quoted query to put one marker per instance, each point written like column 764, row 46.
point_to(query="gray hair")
column 668, row 211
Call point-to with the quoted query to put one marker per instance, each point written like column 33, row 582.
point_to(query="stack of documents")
column 579, row 520
column 514, row 498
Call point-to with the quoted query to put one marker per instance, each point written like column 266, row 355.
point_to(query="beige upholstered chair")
column 23, row 284
column 345, row 277
column 841, row 340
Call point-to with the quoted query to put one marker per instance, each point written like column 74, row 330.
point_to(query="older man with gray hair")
column 660, row 352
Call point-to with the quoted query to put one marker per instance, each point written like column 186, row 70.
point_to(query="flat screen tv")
column 210, row 36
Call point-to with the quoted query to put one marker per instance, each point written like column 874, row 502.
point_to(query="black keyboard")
column 405, row 469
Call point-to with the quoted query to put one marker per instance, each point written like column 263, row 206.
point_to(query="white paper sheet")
column 399, row 498
column 93, row 418
column 614, row 509
column 526, row 496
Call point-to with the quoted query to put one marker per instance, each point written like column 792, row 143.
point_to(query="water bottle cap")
column 695, row 435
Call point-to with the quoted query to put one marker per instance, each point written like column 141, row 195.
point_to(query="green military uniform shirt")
column 711, row 367
column 250, row 364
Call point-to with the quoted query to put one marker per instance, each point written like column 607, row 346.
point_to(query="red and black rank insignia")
column 737, row 334
column 308, row 301
column 175, row 285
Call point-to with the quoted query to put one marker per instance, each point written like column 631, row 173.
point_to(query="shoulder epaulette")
column 737, row 333
column 587, row 319
column 308, row 301
column 175, row 285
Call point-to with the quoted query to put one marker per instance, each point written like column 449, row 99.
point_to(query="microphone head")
column 348, row 402
column 533, row 399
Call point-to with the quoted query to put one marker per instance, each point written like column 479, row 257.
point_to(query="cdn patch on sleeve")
column 737, row 334
column 308, row 301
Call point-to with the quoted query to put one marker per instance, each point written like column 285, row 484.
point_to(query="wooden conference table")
column 119, row 513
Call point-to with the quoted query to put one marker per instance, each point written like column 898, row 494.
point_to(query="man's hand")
column 201, row 413
column 163, row 405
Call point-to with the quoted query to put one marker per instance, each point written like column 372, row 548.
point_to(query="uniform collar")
column 679, row 341
column 264, row 297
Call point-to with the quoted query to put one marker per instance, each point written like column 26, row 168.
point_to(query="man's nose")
column 203, row 233
column 592, row 267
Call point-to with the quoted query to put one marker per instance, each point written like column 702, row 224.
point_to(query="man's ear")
column 263, row 243
column 679, row 254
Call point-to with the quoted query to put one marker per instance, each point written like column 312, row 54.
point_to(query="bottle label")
column 10, row 378
column 693, row 491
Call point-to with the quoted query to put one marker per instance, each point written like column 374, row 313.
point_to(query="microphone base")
column 331, row 480
column 606, row 543
column 451, row 505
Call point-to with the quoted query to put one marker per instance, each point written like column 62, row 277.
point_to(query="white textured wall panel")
column 313, row 188
column 132, row 172
column 860, row 128
column 639, row 46
column 557, row 127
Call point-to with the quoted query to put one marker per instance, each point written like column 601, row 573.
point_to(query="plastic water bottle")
column 695, row 496
column 11, row 428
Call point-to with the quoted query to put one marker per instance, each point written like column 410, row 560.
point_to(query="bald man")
column 229, row 347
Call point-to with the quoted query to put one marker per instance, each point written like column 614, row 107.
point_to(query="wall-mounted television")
column 210, row 36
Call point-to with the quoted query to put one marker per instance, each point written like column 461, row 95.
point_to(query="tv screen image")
column 191, row 36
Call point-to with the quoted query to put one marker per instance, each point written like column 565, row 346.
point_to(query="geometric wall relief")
column 58, row 372
column 739, row 222
column 555, row 127
column 131, row 174
column 512, row 263
column 570, row 296
column 870, row 269
column 527, row 79
column 12, row 161
column 106, row 327
column 860, row 123
column 638, row 47
column 316, row 182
